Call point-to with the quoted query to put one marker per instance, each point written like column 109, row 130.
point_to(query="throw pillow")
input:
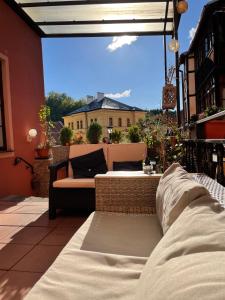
column 88, row 165
column 176, row 190
column 127, row 165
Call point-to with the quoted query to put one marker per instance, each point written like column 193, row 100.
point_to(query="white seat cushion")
column 70, row 182
column 84, row 275
column 123, row 234
column 189, row 261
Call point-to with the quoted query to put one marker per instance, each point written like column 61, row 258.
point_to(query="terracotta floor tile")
column 7, row 208
column 6, row 230
column 18, row 219
column 39, row 259
column 31, row 209
column 43, row 220
column 10, row 254
column 73, row 221
column 59, row 236
column 26, row 235
column 15, row 285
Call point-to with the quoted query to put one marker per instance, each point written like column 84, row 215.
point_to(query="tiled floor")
column 29, row 243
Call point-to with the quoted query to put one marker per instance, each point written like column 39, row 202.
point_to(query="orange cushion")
column 70, row 182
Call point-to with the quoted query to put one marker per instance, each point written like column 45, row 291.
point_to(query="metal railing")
column 205, row 156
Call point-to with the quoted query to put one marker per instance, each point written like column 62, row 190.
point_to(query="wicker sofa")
column 117, row 256
column 79, row 194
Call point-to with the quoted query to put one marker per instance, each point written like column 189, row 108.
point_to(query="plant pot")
column 43, row 153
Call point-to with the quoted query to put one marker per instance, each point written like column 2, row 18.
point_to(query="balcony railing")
column 205, row 156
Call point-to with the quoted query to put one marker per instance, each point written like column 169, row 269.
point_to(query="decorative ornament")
column 182, row 6
column 174, row 45
column 169, row 96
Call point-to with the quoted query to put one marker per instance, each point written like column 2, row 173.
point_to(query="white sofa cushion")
column 82, row 275
column 189, row 261
column 175, row 191
column 70, row 182
column 124, row 234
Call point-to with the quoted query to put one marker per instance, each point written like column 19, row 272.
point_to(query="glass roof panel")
column 95, row 12
column 105, row 28
column 82, row 17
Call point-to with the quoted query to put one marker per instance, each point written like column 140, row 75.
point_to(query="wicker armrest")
column 126, row 195
column 54, row 168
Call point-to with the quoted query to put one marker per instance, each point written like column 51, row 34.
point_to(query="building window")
column 92, row 121
column 110, row 122
column 128, row 122
column 81, row 124
column 69, row 124
column 96, row 120
column 120, row 122
column 2, row 116
column 72, row 126
column 78, row 127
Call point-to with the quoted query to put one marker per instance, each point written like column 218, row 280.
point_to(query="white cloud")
column 120, row 41
column 124, row 94
column 192, row 32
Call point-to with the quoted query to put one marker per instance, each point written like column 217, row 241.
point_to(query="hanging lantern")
column 174, row 45
column 169, row 96
column 182, row 6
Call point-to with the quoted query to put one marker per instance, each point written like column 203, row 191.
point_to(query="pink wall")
column 22, row 46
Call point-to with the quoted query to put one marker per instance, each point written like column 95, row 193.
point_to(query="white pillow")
column 175, row 191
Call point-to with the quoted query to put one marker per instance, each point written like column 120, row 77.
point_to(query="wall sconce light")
column 32, row 133
column 182, row 6
column 174, row 45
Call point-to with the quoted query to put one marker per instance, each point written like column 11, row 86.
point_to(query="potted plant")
column 116, row 136
column 46, row 124
column 211, row 110
column 66, row 135
column 134, row 134
column 94, row 133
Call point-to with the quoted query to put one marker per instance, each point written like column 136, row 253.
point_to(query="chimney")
column 89, row 99
column 100, row 96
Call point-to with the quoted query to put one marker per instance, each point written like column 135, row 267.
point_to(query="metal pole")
column 182, row 79
column 164, row 40
column 165, row 57
column 177, row 63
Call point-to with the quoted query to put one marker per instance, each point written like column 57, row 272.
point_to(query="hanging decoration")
column 174, row 45
column 169, row 92
column 182, row 6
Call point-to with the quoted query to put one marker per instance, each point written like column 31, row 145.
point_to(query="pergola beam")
column 102, row 22
column 107, row 34
column 86, row 2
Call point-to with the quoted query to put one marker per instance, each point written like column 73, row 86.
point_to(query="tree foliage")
column 61, row 104
column 94, row 133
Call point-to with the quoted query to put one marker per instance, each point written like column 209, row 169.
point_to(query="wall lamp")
column 32, row 133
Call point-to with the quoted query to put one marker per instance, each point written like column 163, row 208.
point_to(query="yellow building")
column 107, row 112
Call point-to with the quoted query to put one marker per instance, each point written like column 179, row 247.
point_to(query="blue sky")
column 84, row 66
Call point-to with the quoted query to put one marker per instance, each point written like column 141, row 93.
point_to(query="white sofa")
column 127, row 257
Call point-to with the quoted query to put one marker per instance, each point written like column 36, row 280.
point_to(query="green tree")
column 134, row 134
column 61, row 105
column 94, row 133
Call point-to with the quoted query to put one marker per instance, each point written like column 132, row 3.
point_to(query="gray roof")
column 104, row 103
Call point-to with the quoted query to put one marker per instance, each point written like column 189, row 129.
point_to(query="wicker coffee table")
column 126, row 192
